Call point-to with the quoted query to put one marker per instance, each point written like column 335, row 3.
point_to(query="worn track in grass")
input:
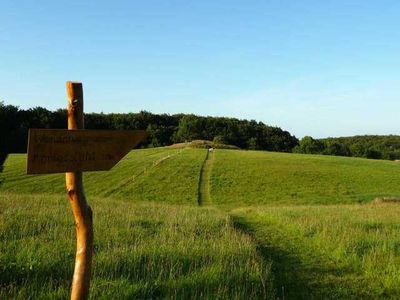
column 132, row 178
column 204, row 196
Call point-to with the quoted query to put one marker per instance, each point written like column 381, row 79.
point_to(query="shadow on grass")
column 187, row 277
column 15, row 273
column 3, row 157
column 300, row 274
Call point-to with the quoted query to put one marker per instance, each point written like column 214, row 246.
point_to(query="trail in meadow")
column 131, row 179
column 204, row 197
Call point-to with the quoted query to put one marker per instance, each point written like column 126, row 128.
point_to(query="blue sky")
column 320, row 68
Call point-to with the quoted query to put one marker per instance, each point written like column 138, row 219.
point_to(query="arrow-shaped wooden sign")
column 62, row 150
column 73, row 151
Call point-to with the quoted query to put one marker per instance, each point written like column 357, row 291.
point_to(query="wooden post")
column 80, row 208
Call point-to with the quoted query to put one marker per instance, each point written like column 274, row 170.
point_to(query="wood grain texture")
column 81, row 210
column 61, row 150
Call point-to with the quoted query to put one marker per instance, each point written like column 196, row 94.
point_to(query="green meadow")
column 241, row 178
column 329, row 252
column 141, row 251
column 229, row 224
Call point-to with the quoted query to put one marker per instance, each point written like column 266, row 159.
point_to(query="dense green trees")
column 333, row 147
column 167, row 129
column 371, row 146
column 308, row 145
column 367, row 146
column 164, row 129
column 8, row 116
column 241, row 133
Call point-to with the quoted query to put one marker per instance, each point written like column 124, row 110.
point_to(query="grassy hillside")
column 158, row 174
column 237, row 178
column 241, row 178
column 96, row 183
column 153, row 239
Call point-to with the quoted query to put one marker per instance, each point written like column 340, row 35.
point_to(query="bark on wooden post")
column 80, row 208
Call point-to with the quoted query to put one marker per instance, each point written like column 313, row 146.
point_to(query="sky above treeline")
column 319, row 68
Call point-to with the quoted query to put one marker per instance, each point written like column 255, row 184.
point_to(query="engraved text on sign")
column 61, row 150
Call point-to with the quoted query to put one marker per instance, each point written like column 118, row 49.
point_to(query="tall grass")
column 141, row 251
column 330, row 252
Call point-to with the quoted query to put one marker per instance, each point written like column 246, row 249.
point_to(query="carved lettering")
column 59, row 150
column 54, row 157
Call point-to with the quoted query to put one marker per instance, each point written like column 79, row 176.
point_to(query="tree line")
column 366, row 146
column 164, row 129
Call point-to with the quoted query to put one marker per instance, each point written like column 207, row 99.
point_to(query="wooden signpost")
column 61, row 150
column 73, row 151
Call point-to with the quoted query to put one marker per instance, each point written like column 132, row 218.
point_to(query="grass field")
column 329, row 252
column 271, row 225
column 141, row 251
column 158, row 174
column 241, row 178
column 96, row 183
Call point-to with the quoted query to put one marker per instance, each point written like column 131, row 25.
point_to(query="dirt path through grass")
column 204, row 197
